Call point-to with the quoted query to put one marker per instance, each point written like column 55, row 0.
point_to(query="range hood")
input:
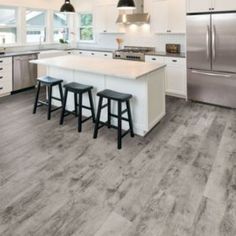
column 137, row 17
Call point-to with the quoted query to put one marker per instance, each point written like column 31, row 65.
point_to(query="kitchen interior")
column 118, row 117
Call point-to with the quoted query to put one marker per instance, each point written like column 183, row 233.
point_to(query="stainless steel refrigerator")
column 211, row 58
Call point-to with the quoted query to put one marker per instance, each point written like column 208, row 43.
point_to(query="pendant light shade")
column 67, row 7
column 126, row 4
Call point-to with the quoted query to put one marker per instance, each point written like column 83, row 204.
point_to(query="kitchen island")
column 145, row 81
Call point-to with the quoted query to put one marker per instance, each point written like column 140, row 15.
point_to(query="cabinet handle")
column 105, row 55
column 154, row 59
column 80, row 52
column 1, row 88
column 1, row 68
column 92, row 53
column 1, row 77
column 174, row 60
column 168, row 31
column 1, row 61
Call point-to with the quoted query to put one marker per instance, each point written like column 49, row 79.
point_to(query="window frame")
column 68, row 28
column 16, row 25
column 79, row 27
column 46, row 26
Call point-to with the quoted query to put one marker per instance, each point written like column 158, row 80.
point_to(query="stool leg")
column 37, row 98
column 98, row 118
column 119, row 133
column 91, row 105
column 80, row 112
column 130, row 119
column 61, row 93
column 49, row 102
column 109, row 113
column 63, row 107
column 76, row 104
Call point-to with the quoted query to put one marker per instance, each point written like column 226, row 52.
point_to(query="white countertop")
column 96, row 65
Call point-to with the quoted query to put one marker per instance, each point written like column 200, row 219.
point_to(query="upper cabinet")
column 226, row 5
column 168, row 16
column 210, row 5
column 105, row 19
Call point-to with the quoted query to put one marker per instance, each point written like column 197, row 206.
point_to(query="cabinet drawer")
column 175, row 61
column 5, row 87
column 155, row 59
column 5, row 61
column 5, row 70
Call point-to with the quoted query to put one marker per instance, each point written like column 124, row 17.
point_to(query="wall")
column 135, row 35
column 43, row 4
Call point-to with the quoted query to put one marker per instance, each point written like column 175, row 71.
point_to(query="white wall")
column 135, row 35
column 42, row 4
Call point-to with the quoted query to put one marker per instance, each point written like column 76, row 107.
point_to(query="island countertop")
column 109, row 67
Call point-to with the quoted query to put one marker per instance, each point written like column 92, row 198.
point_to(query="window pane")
column 35, row 18
column 60, row 20
column 7, row 16
column 86, row 34
column 35, row 35
column 61, row 33
column 7, row 35
column 86, row 20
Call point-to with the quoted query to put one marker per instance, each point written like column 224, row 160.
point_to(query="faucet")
column 40, row 42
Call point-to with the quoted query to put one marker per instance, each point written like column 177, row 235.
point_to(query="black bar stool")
column 49, row 82
column 120, row 98
column 80, row 89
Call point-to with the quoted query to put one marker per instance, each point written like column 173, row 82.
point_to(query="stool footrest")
column 87, row 118
column 116, row 116
column 103, row 106
column 58, row 99
column 55, row 109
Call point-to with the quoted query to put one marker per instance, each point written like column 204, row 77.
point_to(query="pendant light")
column 67, row 7
column 126, row 4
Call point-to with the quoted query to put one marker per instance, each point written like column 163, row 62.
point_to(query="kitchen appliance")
column 137, row 17
column 173, row 48
column 132, row 53
column 211, row 58
column 24, row 72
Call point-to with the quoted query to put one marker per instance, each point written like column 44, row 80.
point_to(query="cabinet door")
column 159, row 16
column 226, row 5
column 111, row 16
column 199, row 5
column 176, row 80
column 100, row 18
column 177, row 16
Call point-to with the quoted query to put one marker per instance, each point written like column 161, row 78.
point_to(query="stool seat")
column 49, row 80
column 76, row 87
column 111, row 94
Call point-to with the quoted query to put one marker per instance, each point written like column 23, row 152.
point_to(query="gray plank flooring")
column 180, row 180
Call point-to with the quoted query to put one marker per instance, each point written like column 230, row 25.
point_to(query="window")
column 61, row 27
column 8, row 27
column 86, row 27
column 36, row 26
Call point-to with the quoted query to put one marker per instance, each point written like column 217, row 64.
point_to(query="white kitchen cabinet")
column 5, row 76
column 176, row 74
column 199, row 5
column 210, row 5
column 225, row 5
column 168, row 16
column 105, row 19
column 94, row 53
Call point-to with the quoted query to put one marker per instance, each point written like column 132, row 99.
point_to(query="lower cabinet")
column 93, row 53
column 176, row 74
column 5, row 76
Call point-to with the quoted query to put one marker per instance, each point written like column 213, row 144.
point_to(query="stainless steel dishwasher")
column 24, row 73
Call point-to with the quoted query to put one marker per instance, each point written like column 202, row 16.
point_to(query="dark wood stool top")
column 49, row 80
column 76, row 87
column 111, row 94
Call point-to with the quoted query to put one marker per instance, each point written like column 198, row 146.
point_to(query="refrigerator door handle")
column 213, row 42
column 211, row 74
column 208, row 42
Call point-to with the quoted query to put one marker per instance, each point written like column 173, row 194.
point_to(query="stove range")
column 132, row 53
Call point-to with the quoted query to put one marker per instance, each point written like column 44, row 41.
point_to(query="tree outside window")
column 86, row 27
